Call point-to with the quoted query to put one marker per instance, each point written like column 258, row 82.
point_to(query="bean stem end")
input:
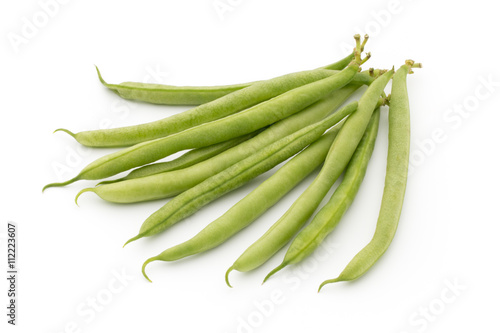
column 81, row 192
column 65, row 131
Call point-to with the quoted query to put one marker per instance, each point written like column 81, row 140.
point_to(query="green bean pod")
column 190, row 201
column 340, row 153
column 168, row 184
column 171, row 95
column 187, row 95
column 217, row 109
column 188, row 159
column 395, row 180
column 191, row 95
column 220, row 130
column 329, row 216
column 254, row 204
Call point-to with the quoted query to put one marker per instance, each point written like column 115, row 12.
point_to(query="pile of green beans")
column 235, row 133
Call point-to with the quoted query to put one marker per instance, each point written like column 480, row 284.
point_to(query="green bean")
column 217, row 109
column 340, row 153
column 171, row 95
column 176, row 95
column 329, row 216
column 190, row 158
column 254, row 204
column 395, row 180
column 171, row 183
column 190, row 201
column 187, row 95
column 219, row 130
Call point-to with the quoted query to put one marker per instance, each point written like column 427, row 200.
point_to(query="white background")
column 69, row 255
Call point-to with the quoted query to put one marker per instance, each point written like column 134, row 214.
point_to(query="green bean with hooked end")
column 254, row 204
column 395, row 180
column 238, row 174
column 340, row 153
column 329, row 216
column 190, row 158
column 168, row 184
column 219, row 130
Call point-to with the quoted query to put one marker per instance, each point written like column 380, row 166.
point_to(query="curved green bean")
column 237, row 175
column 395, row 180
column 219, row 130
column 329, row 216
column 190, row 158
column 171, row 183
column 340, row 153
column 254, row 204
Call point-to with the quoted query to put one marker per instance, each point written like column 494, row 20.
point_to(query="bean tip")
column 144, row 268
column 227, row 276
column 81, row 192
column 324, row 283
column 72, row 180
column 65, row 131
column 100, row 76
column 132, row 239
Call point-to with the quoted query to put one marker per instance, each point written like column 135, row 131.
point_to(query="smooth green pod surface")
column 216, row 131
column 238, row 174
column 254, row 204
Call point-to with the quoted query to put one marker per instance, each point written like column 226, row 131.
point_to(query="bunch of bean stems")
column 237, row 132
